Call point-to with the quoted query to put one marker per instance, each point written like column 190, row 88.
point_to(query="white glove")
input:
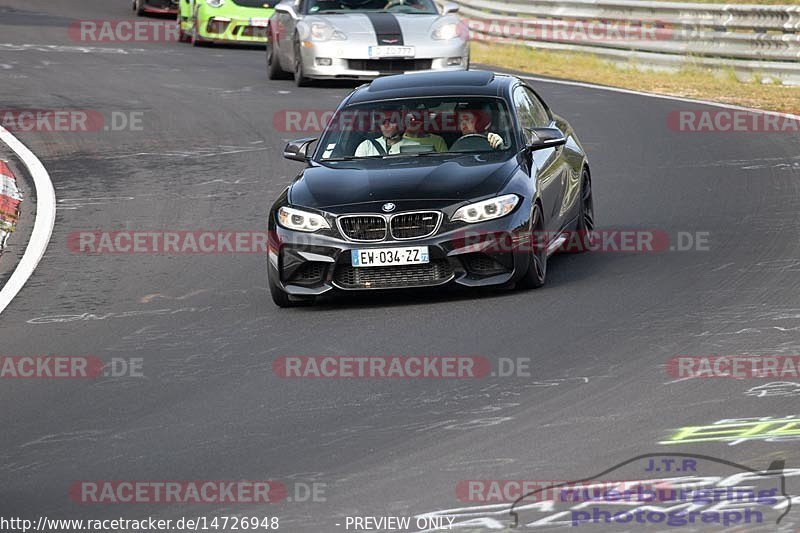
column 495, row 141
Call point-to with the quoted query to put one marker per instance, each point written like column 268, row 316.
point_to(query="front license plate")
column 411, row 255
column 391, row 51
column 259, row 22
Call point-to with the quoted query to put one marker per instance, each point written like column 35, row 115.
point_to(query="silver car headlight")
column 298, row 220
column 487, row 209
column 446, row 31
column 319, row 32
column 215, row 3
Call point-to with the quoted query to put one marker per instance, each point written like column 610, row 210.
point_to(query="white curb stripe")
column 586, row 85
column 42, row 227
column 654, row 95
column 8, row 187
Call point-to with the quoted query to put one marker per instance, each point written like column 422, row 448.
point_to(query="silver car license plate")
column 391, row 51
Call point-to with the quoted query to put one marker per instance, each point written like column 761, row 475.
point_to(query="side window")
column 530, row 110
column 522, row 105
column 538, row 111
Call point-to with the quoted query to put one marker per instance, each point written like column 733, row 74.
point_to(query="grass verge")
column 747, row 2
column 690, row 82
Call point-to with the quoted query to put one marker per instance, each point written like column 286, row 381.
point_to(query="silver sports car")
column 364, row 39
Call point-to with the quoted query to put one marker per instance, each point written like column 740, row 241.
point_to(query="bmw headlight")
column 445, row 32
column 297, row 220
column 215, row 3
column 487, row 209
column 319, row 32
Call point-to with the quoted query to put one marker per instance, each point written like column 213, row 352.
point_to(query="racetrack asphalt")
column 210, row 407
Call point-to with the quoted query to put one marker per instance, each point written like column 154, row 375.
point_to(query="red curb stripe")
column 5, row 171
column 9, row 203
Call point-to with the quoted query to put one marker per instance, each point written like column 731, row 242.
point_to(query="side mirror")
column 545, row 138
column 450, row 7
column 298, row 150
column 287, row 8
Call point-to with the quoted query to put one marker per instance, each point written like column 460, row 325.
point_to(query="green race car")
column 224, row 21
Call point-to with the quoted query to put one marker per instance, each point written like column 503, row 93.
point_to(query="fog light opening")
column 324, row 61
column 217, row 25
column 453, row 61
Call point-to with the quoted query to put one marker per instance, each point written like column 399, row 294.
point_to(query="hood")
column 413, row 27
column 429, row 179
column 239, row 11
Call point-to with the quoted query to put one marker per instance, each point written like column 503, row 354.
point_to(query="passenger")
column 415, row 134
column 389, row 141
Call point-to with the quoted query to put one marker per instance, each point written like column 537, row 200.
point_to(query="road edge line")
column 633, row 92
column 42, row 226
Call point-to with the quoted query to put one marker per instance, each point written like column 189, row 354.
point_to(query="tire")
column 281, row 299
column 299, row 78
column 138, row 7
column 274, row 70
column 195, row 38
column 183, row 37
column 585, row 224
column 536, row 275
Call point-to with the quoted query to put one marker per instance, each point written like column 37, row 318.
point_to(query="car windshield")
column 421, row 7
column 418, row 127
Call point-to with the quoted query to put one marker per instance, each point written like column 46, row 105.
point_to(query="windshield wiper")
column 351, row 158
column 419, row 154
column 388, row 156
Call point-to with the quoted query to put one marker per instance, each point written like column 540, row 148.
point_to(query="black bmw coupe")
column 429, row 179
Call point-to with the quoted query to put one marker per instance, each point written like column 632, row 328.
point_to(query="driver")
column 477, row 122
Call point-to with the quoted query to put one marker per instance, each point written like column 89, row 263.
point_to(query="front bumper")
column 233, row 31
column 169, row 7
column 350, row 60
column 475, row 255
column 244, row 26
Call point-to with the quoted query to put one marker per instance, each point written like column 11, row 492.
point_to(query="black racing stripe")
column 386, row 27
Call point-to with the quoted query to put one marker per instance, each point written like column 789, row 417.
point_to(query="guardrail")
column 753, row 40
